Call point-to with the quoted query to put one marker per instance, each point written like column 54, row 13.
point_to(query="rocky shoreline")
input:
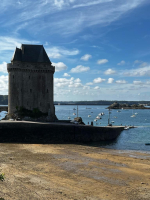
column 126, row 106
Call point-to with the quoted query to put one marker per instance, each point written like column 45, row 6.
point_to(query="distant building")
column 31, row 80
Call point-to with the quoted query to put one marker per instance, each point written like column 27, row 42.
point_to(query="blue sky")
column 100, row 48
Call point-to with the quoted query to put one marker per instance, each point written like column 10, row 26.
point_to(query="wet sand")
column 77, row 172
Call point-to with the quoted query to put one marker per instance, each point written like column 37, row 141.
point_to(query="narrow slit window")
column 29, row 77
column 30, row 90
column 47, row 90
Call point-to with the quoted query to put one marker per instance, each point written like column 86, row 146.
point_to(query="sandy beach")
column 77, row 172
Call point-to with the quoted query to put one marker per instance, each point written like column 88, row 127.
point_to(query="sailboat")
column 132, row 114
column 118, row 110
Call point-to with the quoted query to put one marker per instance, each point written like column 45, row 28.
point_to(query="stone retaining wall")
column 26, row 132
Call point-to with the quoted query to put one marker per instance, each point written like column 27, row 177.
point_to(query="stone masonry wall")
column 28, row 132
column 30, row 86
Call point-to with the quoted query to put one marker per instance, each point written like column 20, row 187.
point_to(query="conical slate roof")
column 31, row 53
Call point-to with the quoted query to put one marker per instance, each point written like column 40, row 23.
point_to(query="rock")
column 79, row 120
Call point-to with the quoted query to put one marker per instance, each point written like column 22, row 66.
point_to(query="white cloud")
column 3, row 67
column 3, row 84
column 59, row 66
column 77, row 80
column 148, row 82
column 75, row 85
column 57, row 52
column 102, row 61
column 54, row 55
column 110, row 80
column 86, row 87
column 98, row 80
column 66, row 74
column 86, row 57
column 96, row 88
column 86, row 4
column 143, row 71
column 89, row 83
column 109, row 71
column 62, row 82
column 137, row 82
column 59, row 3
column 70, row 20
column 10, row 43
column 144, row 64
column 79, row 69
column 122, row 63
column 121, row 81
column 137, row 61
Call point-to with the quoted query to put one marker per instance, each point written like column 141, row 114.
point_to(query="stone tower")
column 31, row 80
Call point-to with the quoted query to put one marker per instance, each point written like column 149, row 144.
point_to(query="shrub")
column 2, row 177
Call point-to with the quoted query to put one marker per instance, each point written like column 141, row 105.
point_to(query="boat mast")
column 109, row 117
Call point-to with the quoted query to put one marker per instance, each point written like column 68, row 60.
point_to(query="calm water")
column 132, row 139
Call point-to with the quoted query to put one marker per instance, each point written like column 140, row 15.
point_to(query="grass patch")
column 2, row 178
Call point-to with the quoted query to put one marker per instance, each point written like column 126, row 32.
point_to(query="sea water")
column 131, row 139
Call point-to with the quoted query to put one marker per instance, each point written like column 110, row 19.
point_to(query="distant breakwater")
column 46, row 133
column 3, row 108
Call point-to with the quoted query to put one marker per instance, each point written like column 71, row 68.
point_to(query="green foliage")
column 2, row 177
column 2, row 199
column 35, row 113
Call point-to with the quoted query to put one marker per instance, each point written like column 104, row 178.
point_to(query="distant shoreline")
column 125, row 106
column 4, row 102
